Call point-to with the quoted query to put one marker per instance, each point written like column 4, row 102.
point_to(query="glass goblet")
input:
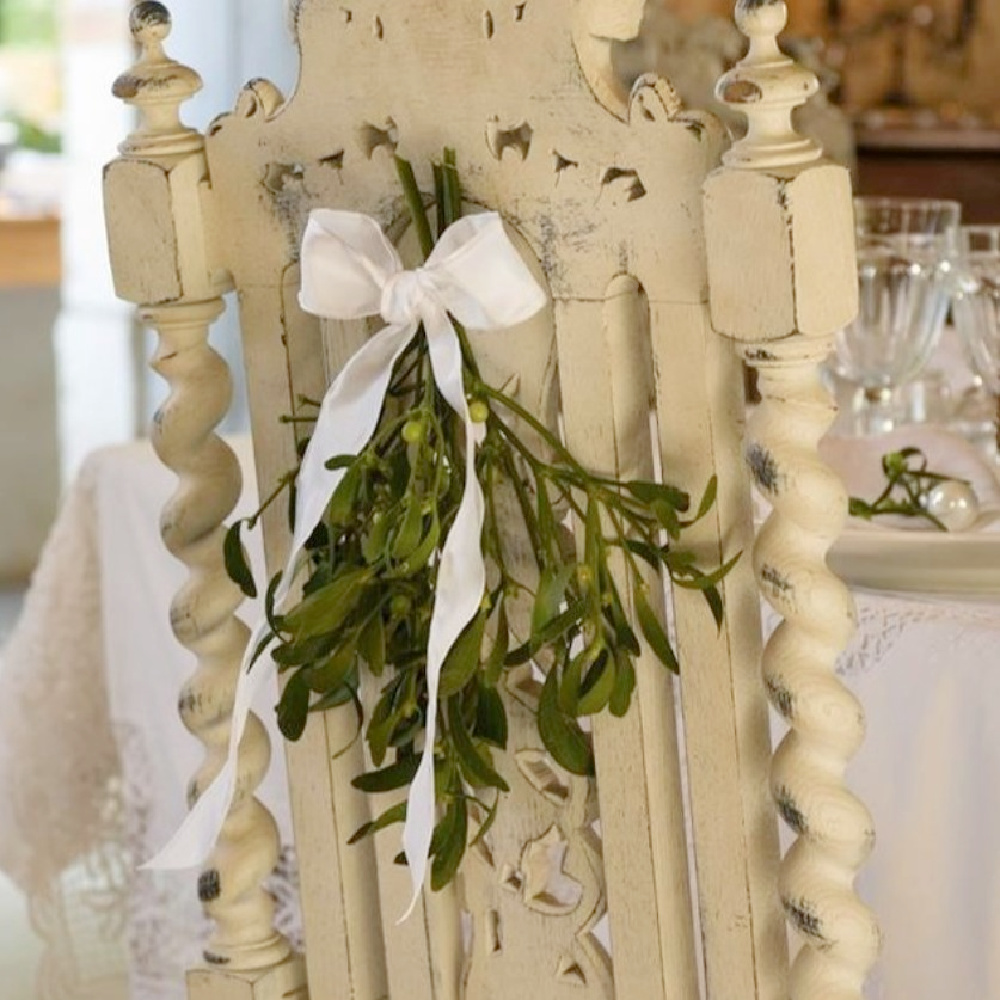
column 904, row 249
column 976, row 305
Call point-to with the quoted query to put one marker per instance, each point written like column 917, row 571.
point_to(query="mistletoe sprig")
column 367, row 603
column 908, row 482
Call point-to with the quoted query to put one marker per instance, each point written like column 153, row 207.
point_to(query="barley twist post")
column 779, row 229
column 156, row 194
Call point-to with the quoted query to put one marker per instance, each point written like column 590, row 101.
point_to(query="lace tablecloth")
column 93, row 757
column 93, row 763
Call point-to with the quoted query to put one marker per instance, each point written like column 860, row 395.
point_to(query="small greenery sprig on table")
column 368, row 599
column 908, row 482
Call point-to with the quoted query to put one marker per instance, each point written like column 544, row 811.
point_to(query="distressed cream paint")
column 650, row 250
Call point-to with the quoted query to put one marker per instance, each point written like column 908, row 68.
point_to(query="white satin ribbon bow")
column 351, row 271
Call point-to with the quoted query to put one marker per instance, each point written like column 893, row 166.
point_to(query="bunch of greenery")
column 368, row 599
column 907, row 483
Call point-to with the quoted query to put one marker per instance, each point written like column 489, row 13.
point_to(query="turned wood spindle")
column 783, row 280
column 161, row 177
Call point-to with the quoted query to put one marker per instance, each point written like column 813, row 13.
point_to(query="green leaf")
column 237, row 565
column 649, row 493
column 859, row 508
column 621, row 696
column 420, row 556
column 390, row 778
column 331, row 673
column 451, row 843
column 384, row 718
column 341, row 505
column 340, row 462
column 484, row 827
column 702, row 581
column 308, row 649
column 598, row 685
column 463, row 658
column 339, row 697
column 273, row 618
column 649, row 553
column 373, row 545
column 474, row 766
column 561, row 735
column 371, row 643
column 293, row 708
column 709, row 497
column 714, row 600
column 411, row 529
column 549, row 596
column 491, row 718
column 624, row 635
column 546, row 519
column 260, row 649
column 501, row 645
column 326, row 609
column 654, row 633
column 397, row 814
column 553, row 630
column 667, row 516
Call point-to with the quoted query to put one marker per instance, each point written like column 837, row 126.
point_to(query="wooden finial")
column 767, row 87
column 157, row 85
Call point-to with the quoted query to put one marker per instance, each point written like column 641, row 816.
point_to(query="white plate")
column 956, row 564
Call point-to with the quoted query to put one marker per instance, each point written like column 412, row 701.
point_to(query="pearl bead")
column 954, row 504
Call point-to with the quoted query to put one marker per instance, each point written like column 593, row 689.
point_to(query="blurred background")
column 908, row 101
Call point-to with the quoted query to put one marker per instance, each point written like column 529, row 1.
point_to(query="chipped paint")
column 790, row 812
column 803, row 916
column 209, row 885
column 741, row 92
column 777, row 580
column 781, row 697
column 634, row 190
column 764, row 468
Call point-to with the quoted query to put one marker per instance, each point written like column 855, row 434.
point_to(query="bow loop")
column 346, row 262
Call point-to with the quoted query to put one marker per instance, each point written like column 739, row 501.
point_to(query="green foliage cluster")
column 367, row 603
column 907, row 483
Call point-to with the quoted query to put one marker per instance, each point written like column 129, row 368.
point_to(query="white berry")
column 954, row 504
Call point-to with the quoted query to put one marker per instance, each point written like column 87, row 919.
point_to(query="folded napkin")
column 858, row 461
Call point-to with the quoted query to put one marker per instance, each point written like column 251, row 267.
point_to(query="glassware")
column 905, row 249
column 976, row 305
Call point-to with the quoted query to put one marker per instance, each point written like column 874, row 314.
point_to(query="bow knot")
column 351, row 271
column 407, row 296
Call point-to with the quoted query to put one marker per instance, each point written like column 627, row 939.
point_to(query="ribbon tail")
column 196, row 837
column 347, row 420
column 461, row 582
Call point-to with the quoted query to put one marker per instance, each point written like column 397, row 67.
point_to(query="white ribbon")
column 351, row 271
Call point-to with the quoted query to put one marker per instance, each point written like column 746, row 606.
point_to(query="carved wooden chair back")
column 612, row 200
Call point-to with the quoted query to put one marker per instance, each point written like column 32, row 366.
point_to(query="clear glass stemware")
column 976, row 305
column 905, row 249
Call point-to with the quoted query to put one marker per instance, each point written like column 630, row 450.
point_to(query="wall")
column 29, row 460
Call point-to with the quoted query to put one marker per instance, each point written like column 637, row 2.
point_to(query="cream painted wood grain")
column 603, row 193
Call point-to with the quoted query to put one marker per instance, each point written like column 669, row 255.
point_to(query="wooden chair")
column 667, row 258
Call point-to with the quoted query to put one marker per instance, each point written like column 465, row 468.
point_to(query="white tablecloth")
column 93, row 760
